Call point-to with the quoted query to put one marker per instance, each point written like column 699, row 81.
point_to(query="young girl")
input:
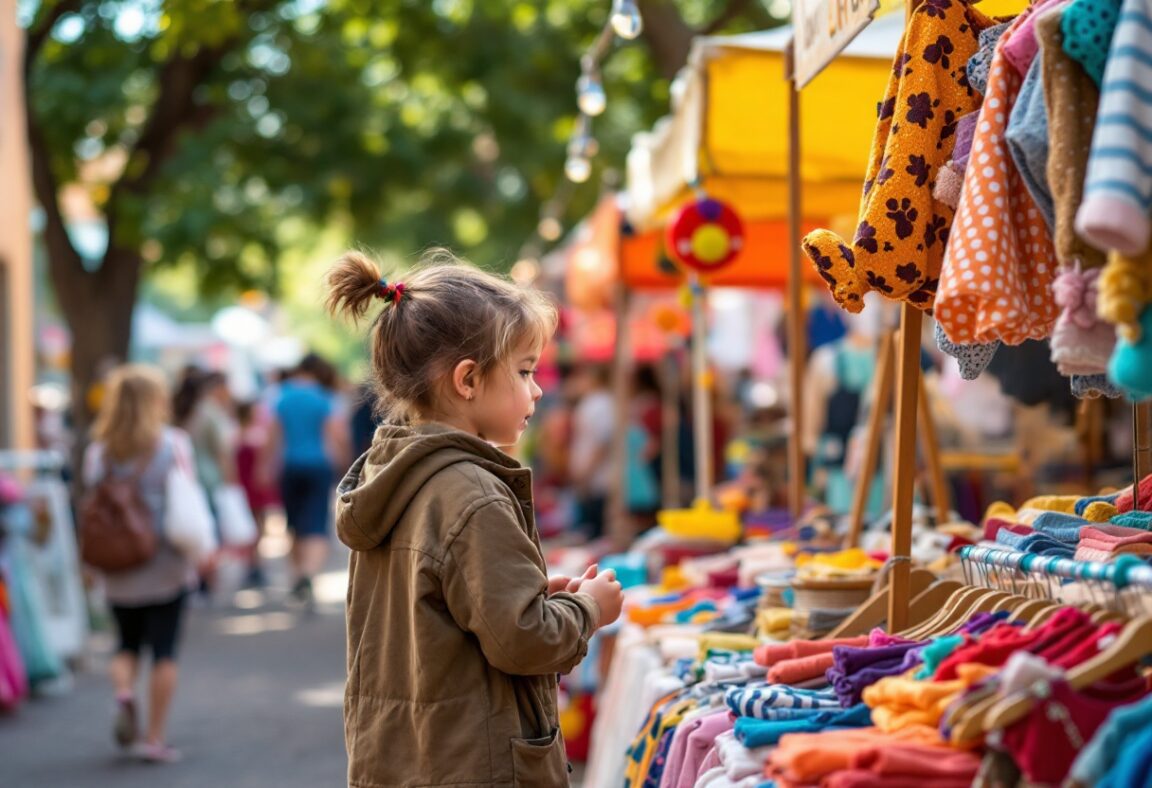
column 132, row 439
column 455, row 633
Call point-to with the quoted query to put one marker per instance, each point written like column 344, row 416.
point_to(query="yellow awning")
column 729, row 125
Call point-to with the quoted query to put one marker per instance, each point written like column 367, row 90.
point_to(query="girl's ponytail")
column 352, row 284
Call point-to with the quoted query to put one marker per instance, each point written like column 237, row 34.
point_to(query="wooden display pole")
column 881, row 396
column 1141, row 450
column 670, row 432
column 930, row 446
column 904, row 468
column 701, row 392
column 619, row 524
column 797, row 334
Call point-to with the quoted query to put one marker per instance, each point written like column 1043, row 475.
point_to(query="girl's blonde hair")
column 133, row 411
column 447, row 311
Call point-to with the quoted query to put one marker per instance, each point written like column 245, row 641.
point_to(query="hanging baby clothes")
column 1071, row 99
column 1125, row 289
column 1118, row 189
column 1000, row 263
column 899, row 242
column 1027, row 132
column 1087, row 28
column 950, row 178
column 1081, row 343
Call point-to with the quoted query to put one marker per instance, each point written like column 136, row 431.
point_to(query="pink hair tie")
column 397, row 292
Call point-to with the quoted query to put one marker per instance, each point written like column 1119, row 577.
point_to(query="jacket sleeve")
column 495, row 588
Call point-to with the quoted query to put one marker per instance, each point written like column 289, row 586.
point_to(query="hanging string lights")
column 626, row 22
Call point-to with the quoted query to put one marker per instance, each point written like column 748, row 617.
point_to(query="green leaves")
column 410, row 123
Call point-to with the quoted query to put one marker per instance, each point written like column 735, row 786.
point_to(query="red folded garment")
column 993, row 525
column 768, row 655
column 1124, row 501
column 858, row 778
column 795, row 671
column 911, row 760
column 1116, row 535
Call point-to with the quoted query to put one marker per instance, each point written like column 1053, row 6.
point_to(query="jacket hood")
column 376, row 491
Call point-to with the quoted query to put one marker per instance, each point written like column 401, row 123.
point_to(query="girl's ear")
column 464, row 379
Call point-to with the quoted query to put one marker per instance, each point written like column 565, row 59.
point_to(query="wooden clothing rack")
column 907, row 378
column 929, row 443
column 901, row 349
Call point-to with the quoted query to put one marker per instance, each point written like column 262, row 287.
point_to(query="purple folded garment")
column 982, row 622
column 965, row 131
column 913, row 659
column 853, row 669
column 849, row 659
column 849, row 688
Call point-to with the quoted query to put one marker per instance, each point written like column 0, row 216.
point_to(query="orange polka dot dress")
column 999, row 265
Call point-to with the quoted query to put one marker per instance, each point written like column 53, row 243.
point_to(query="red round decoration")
column 705, row 235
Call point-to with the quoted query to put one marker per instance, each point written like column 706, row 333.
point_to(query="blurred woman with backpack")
column 134, row 449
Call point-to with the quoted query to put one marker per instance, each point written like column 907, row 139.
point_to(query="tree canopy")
column 416, row 123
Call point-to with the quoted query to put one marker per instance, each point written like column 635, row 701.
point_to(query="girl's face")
column 506, row 399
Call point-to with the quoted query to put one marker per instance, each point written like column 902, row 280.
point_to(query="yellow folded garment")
column 726, row 641
column 774, row 622
column 672, row 579
column 1053, row 503
column 1100, row 512
column 999, row 510
column 901, row 701
column 846, row 563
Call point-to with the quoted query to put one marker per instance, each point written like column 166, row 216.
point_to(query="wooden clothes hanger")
column 874, row 612
column 966, row 603
column 1133, row 644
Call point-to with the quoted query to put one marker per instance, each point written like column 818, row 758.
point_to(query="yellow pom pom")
column 711, row 243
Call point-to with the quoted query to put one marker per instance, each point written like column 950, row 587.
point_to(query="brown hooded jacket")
column 453, row 643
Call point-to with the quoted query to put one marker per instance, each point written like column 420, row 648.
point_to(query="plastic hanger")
column 1133, row 644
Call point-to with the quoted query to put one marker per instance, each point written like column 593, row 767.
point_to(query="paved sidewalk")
column 259, row 705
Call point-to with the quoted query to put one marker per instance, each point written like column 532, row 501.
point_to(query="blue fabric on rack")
column 1043, row 544
column 1134, row 520
column 1010, row 538
column 753, row 733
column 756, row 698
column 745, row 594
column 1083, row 504
column 1098, row 757
column 1060, row 526
column 1133, row 765
column 703, row 606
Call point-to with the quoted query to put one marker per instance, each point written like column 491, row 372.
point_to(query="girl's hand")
column 558, row 583
column 605, row 589
column 576, row 582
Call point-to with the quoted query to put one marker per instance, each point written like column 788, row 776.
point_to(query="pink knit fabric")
column 1082, row 344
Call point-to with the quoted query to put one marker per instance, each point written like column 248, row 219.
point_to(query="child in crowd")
column 455, row 632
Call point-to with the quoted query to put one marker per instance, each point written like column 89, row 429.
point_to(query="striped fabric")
column 756, row 699
column 1118, row 190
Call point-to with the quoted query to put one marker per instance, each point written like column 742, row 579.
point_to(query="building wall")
column 17, row 336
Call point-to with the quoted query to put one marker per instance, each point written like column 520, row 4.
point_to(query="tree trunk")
column 668, row 36
column 97, row 306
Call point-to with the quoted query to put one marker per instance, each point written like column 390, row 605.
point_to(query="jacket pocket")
column 540, row 763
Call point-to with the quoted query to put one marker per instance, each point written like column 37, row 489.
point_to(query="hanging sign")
column 821, row 29
column 705, row 235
